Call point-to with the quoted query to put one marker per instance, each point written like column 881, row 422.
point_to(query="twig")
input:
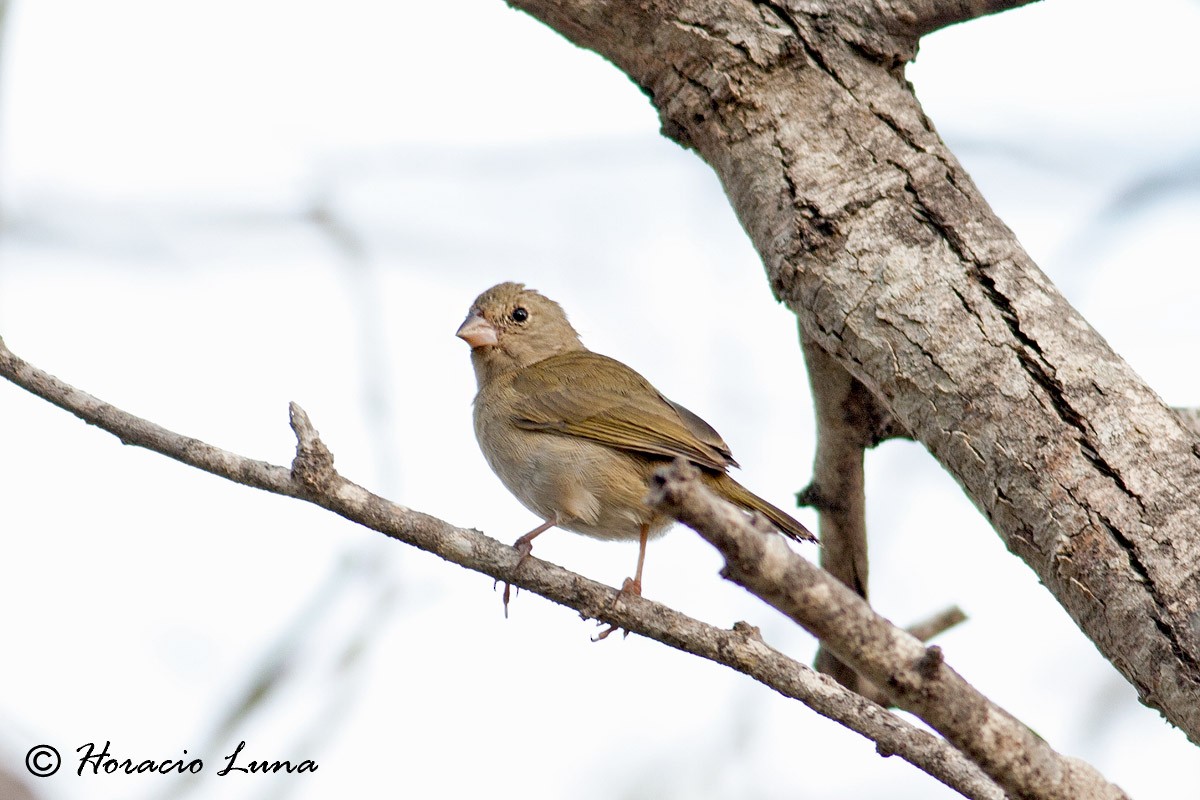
column 1021, row 762
column 313, row 478
column 940, row 622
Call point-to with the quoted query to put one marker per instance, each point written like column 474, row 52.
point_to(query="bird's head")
column 510, row 327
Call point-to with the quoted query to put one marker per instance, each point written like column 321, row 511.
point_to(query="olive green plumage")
column 576, row 435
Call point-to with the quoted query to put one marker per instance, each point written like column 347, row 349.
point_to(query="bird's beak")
column 477, row 331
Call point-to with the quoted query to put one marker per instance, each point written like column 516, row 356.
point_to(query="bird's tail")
column 739, row 495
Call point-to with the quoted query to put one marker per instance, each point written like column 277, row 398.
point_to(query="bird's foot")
column 524, row 547
column 631, row 586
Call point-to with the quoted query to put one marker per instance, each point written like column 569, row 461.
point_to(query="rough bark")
column 873, row 234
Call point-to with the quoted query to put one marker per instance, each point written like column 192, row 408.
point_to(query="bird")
column 575, row 435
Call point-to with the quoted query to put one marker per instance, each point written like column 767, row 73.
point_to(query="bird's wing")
column 594, row 397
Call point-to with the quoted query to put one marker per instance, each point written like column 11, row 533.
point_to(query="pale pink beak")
column 477, row 331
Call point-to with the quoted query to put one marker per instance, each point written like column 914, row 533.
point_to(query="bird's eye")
column 519, row 314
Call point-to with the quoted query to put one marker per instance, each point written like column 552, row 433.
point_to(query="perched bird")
column 575, row 435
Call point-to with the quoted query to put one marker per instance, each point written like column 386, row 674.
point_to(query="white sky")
column 155, row 162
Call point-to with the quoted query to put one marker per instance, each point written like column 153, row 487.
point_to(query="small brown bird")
column 576, row 435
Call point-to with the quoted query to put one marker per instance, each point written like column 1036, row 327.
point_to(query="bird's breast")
column 593, row 489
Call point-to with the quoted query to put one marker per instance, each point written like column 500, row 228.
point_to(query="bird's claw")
column 508, row 595
column 524, row 548
column 629, row 587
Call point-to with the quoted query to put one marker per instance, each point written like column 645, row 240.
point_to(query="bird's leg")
column 631, row 585
column 524, row 546
column 634, row 585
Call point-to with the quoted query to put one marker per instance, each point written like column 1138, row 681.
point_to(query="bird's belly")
column 592, row 489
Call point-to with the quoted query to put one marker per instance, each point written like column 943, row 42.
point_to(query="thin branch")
column 940, row 622
column 1020, row 761
column 313, row 478
column 920, row 17
column 848, row 418
column 134, row 430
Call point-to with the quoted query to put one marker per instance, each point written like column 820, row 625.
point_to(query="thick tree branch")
column 758, row 559
column 313, row 478
column 874, row 235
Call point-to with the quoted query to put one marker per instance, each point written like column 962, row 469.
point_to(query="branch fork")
column 917, row 677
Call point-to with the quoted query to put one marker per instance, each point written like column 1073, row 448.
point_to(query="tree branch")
column 312, row 478
column 931, row 626
column 918, row 17
column 875, row 236
column 759, row 560
column 848, row 420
